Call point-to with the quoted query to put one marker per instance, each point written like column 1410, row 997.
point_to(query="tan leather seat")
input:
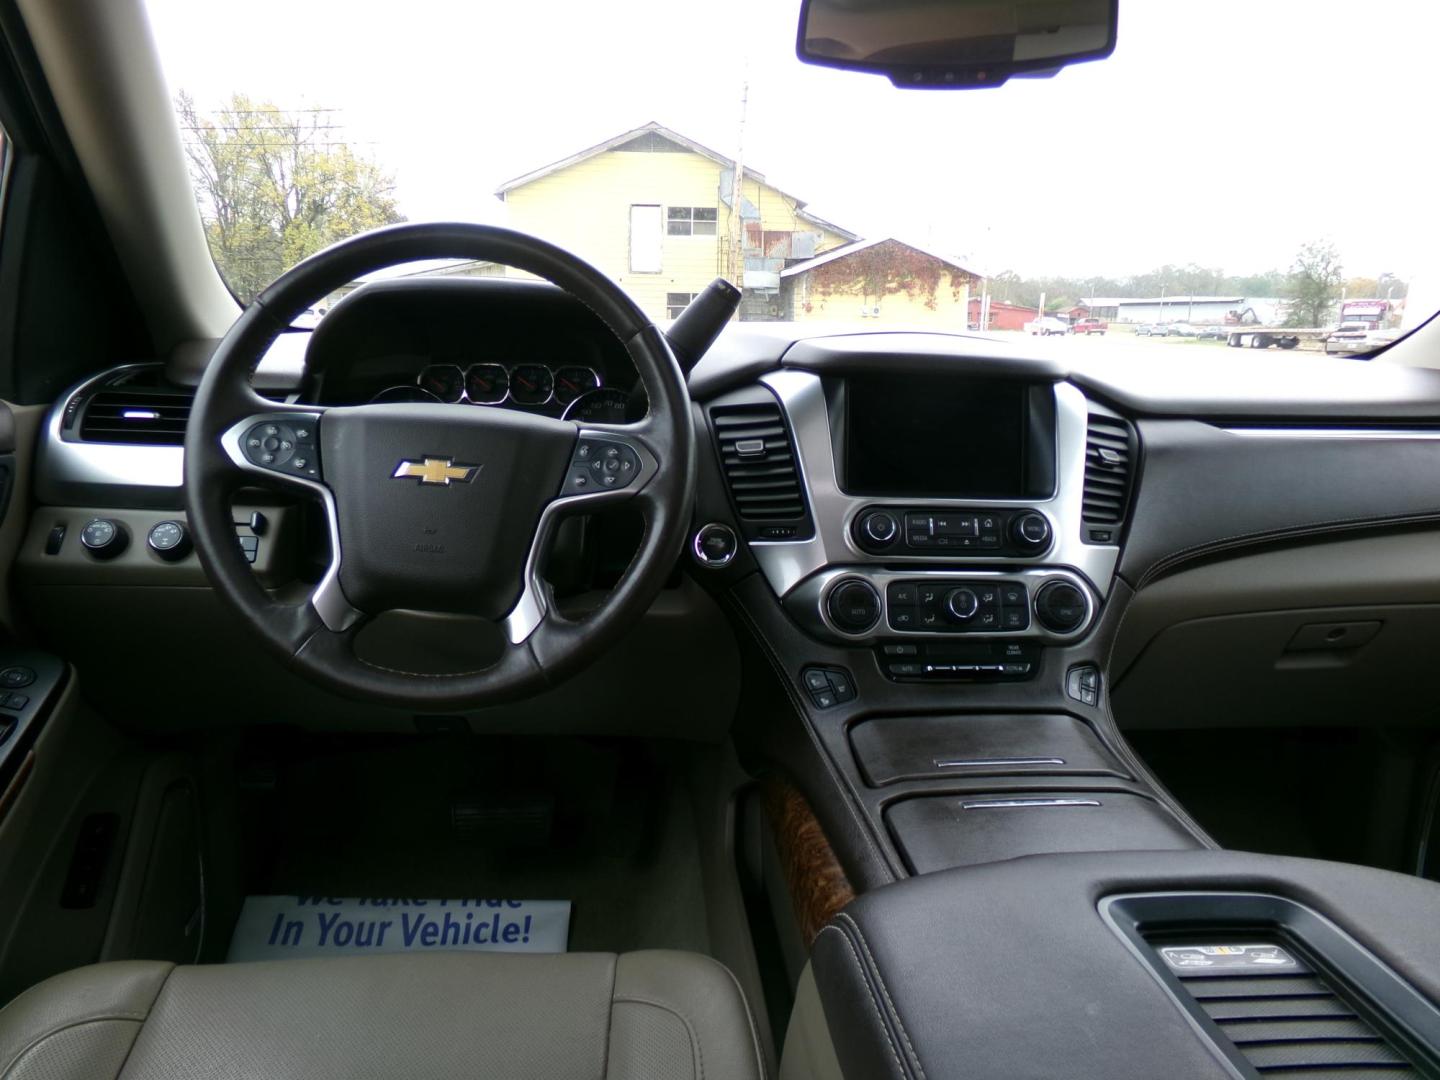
column 635, row 1016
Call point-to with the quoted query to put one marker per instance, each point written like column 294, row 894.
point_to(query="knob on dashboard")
column 876, row 530
column 104, row 538
column 170, row 540
column 1030, row 531
column 962, row 604
column 1060, row 607
column 853, row 606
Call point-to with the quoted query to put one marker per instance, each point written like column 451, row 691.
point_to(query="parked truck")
column 1089, row 326
column 1047, row 325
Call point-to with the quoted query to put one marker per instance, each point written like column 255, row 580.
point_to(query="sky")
column 1221, row 132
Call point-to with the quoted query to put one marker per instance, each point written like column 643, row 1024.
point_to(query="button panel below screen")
column 938, row 605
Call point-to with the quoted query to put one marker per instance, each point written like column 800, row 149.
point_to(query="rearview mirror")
column 955, row 43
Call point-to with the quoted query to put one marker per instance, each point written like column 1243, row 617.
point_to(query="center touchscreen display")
column 947, row 437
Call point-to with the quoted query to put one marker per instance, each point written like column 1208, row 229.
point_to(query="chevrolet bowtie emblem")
column 434, row 470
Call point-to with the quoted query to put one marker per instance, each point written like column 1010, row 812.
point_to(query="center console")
column 942, row 520
column 1135, row 965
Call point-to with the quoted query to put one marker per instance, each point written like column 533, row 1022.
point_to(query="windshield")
column 1204, row 176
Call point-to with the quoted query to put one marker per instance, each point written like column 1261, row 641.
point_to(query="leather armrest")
column 1009, row 970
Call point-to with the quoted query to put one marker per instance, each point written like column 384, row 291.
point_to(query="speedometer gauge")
column 571, row 382
column 487, row 384
column 531, row 384
column 445, row 381
column 608, row 406
column 409, row 395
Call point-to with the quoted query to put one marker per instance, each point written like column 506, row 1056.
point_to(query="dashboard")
column 927, row 513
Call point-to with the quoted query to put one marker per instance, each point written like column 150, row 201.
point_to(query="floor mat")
column 363, row 819
column 281, row 927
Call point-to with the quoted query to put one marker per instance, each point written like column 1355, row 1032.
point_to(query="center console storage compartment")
column 894, row 748
column 940, row 832
column 1055, row 966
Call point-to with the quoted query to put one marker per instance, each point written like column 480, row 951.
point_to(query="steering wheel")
column 441, row 508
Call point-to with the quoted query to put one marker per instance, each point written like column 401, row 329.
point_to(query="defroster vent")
column 758, row 456
column 1109, row 470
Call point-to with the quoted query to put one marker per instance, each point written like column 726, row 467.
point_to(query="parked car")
column 1214, row 332
column 1047, row 325
column 1150, row 330
column 1090, row 326
column 1181, row 329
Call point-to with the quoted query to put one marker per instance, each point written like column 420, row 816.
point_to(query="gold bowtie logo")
column 434, row 470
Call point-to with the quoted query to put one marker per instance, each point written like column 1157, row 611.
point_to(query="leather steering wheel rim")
column 316, row 637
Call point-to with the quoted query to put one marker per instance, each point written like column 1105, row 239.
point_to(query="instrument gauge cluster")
column 528, row 385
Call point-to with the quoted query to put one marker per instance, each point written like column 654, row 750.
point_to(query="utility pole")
column 737, row 192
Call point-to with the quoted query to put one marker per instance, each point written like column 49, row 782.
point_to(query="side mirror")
column 955, row 44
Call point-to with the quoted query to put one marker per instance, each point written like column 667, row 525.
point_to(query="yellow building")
column 653, row 209
column 887, row 281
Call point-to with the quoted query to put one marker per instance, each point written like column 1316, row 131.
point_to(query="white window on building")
column 645, row 239
column 676, row 302
column 691, row 220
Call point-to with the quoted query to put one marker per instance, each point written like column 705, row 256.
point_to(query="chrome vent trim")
column 757, row 454
column 1109, row 469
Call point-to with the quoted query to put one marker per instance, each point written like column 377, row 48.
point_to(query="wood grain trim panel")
column 817, row 885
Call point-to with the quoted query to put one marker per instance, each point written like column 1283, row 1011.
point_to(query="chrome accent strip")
column 1379, row 434
column 328, row 599
column 807, row 602
column 985, row 763
column 1017, row 804
column 530, row 610
column 72, row 472
column 786, row 563
column 699, row 554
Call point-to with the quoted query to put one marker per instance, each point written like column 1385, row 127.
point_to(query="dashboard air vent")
column 1109, row 469
column 137, row 411
column 1292, row 1023
column 760, row 468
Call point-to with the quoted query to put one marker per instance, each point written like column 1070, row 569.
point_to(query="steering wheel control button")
column 715, row 545
column 853, row 606
column 284, row 446
column 601, row 465
column 170, row 540
column 13, row 678
column 250, row 545
column 104, row 538
column 1060, row 607
column 827, row 687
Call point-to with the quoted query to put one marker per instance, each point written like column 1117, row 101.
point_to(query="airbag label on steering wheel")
column 276, row 927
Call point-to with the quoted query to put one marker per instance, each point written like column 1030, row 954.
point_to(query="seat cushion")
column 432, row 1017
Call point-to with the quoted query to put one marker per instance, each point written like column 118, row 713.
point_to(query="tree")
column 273, row 187
column 1313, row 284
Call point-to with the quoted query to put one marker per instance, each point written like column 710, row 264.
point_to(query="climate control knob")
column 877, row 530
column 853, row 606
column 1060, row 607
column 962, row 604
column 1030, row 531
